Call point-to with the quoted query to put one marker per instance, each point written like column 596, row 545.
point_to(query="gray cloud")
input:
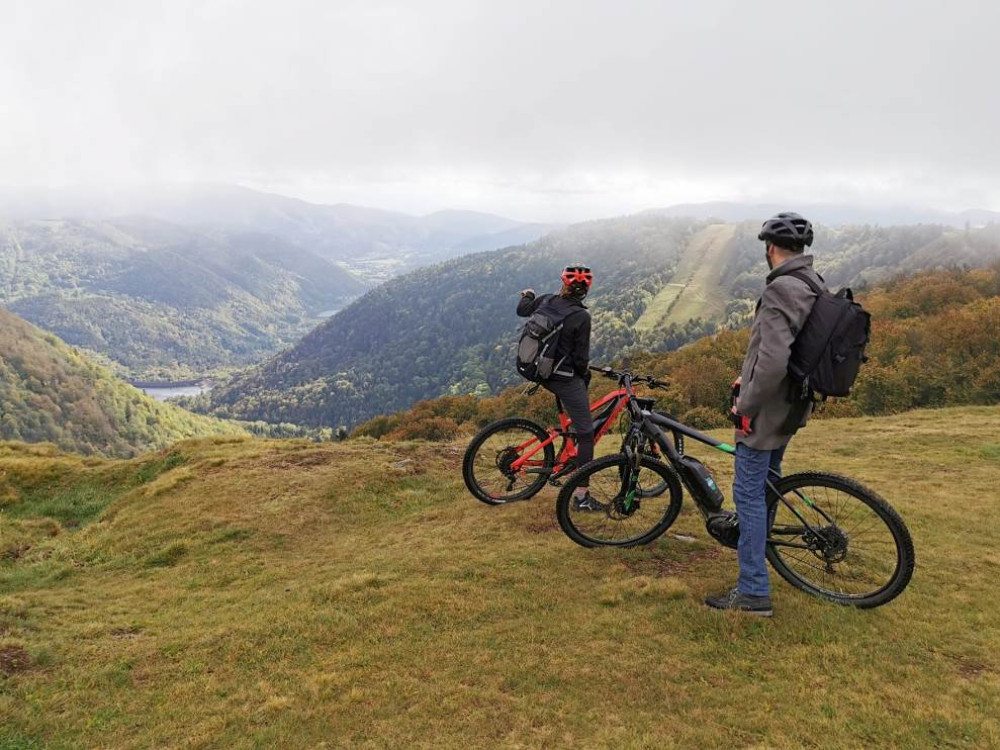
column 544, row 109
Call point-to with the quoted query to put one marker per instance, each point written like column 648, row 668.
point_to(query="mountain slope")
column 163, row 300
column 933, row 344
column 695, row 291
column 51, row 393
column 451, row 328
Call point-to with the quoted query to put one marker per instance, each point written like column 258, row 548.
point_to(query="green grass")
column 250, row 593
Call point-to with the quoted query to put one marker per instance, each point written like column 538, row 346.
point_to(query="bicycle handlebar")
column 649, row 380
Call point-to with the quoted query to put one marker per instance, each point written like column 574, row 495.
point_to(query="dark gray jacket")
column 783, row 309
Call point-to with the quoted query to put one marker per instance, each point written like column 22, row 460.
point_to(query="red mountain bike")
column 512, row 459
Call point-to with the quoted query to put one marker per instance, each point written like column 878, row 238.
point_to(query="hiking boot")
column 737, row 602
column 588, row 504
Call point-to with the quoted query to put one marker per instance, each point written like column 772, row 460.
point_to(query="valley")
column 51, row 393
column 271, row 302
column 660, row 283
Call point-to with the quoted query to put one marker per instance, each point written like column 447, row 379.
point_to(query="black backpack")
column 536, row 349
column 830, row 349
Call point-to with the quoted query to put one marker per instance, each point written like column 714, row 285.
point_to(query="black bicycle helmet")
column 788, row 230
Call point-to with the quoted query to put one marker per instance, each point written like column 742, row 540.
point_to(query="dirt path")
column 696, row 293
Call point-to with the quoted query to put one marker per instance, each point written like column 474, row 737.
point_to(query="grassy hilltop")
column 236, row 592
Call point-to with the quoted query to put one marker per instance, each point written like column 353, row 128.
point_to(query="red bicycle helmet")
column 577, row 274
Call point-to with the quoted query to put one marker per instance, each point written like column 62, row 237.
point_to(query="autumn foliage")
column 934, row 343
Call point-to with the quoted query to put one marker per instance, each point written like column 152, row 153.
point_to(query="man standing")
column 765, row 414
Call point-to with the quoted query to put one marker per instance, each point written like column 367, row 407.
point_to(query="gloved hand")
column 586, row 378
column 740, row 421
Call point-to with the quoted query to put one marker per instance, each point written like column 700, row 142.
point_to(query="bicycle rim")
column 858, row 551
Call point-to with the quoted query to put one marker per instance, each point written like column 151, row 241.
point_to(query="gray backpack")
column 539, row 342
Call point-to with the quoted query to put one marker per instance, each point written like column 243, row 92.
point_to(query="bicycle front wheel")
column 655, row 489
column 490, row 467
column 836, row 539
column 612, row 518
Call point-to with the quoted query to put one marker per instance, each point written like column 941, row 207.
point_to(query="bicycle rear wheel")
column 487, row 466
column 836, row 539
column 615, row 520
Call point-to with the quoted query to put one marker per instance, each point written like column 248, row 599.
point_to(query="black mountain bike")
column 828, row 535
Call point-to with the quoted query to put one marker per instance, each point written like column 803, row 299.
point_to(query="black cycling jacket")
column 574, row 339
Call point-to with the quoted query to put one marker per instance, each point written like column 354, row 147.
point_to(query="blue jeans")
column 749, row 493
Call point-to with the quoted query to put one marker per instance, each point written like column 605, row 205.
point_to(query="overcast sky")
column 542, row 110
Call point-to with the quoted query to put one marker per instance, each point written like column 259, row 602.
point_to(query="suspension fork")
column 632, row 449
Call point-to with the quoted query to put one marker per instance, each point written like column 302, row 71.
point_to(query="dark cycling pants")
column 572, row 394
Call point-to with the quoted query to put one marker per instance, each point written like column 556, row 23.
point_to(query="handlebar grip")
column 606, row 370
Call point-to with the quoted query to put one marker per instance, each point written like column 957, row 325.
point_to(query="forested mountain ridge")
column 164, row 301
column 373, row 242
column 451, row 328
column 49, row 392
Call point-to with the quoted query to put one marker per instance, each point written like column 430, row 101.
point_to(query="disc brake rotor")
column 830, row 544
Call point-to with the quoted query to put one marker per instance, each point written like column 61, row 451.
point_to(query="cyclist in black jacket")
column 571, row 377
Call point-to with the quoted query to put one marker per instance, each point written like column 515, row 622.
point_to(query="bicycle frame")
column 618, row 398
column 651, row 424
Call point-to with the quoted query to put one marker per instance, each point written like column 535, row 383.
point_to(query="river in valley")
column 168, row 390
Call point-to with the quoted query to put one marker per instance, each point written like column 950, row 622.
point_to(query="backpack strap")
column 804, row 277
column 570, row 314
column 801, row 276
